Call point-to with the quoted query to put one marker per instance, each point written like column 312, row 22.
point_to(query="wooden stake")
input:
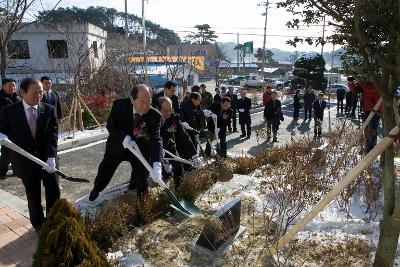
column 88, row 110
column 345, row 182
column 80, row 119
column 74, row 118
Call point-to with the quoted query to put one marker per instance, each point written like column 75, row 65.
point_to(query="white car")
column 254, row 81
column 335, row 86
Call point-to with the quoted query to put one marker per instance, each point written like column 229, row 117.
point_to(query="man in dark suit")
column 234, row 100
column 8, row 96
column 222, row 112
column 319, row 106
column 51, row 97
column 193, row 115
column 169, row 91
column 33, row 126
column 244, row 106
column 173, row 132
column 131, row 120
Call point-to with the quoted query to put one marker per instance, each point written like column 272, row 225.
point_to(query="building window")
column 95, row 50
column 18, row 49
column 57, row 48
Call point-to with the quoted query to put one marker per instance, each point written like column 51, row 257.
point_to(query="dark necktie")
column 136, row 120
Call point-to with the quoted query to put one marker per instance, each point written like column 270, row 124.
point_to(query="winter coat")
column 223, row 120
column 6, row 99
column 244, row 117
column 266, row 97
column 273, row 111
column 296, row 101
column 319, row 107
column 340, row 94
column 309, row 98
column 369, row 92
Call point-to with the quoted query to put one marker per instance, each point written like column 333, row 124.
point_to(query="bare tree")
column 12, row 14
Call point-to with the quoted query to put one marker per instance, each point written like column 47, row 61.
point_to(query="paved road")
column 84, row 162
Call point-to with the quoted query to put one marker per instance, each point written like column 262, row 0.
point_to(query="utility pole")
column 144, row 43
column 266, row 4
column 323, row 38
column 126, row 29
column 238, row 55
column 330, row 88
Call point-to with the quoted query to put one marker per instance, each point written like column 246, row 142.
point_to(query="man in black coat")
column 51, row 97
column 169, row 91
column 308, row 99
column 32, row 125
column 340, row 96
column 173, row 132
column 234, row 100
column 244, row 106
column 273, row 116
column 319, row 106
column 218, row 95
column 131, row 120
column 8, row 96
column 222, row 112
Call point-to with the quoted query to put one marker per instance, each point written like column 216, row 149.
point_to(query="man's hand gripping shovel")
column 4, row 141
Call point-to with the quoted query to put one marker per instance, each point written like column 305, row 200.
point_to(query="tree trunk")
column 388, row 236
column 3, row 62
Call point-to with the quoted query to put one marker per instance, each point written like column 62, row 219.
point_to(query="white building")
column 55, row 50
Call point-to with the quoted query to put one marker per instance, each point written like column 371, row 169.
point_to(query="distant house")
column 55, row 50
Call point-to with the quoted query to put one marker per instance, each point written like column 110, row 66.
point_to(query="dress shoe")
column 243, row 135
column 248, row 137
column 93, row 195
column 3, row 177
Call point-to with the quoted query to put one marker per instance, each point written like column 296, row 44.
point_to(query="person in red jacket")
column 370, row 96
column 267, row 94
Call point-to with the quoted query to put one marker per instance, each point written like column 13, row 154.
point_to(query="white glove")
column 185, row 125
column 156, row 173
column 207, row 113
column 241, row 110
column 2, row 137
column 214, row 116
column 198, row 163
column 217, row 131
column 167, row 167
column 50, row 165
column 128, row 142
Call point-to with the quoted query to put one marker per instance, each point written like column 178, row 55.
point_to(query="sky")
column 226, row 17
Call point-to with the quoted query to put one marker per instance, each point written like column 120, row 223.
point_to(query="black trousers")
column 222, row 149
column 177, row 167
column 233, row 123
column 340, row 105
column 33, row 189
column 5, row 160
column 309, row 111
column 109, row 165
column 244, row 127
column 274, row 126
column 296, row 112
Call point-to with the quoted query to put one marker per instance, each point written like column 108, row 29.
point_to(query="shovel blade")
column 182, row 206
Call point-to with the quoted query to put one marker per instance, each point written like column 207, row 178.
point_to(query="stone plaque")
column 226, row 227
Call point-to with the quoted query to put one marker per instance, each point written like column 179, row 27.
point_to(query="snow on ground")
column 64, row 136
column 175, row 237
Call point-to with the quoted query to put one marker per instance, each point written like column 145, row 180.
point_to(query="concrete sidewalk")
column 18, row 239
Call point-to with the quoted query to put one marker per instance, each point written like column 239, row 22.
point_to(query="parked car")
column 335, row 86
column 254, row 80
column 237, row 80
